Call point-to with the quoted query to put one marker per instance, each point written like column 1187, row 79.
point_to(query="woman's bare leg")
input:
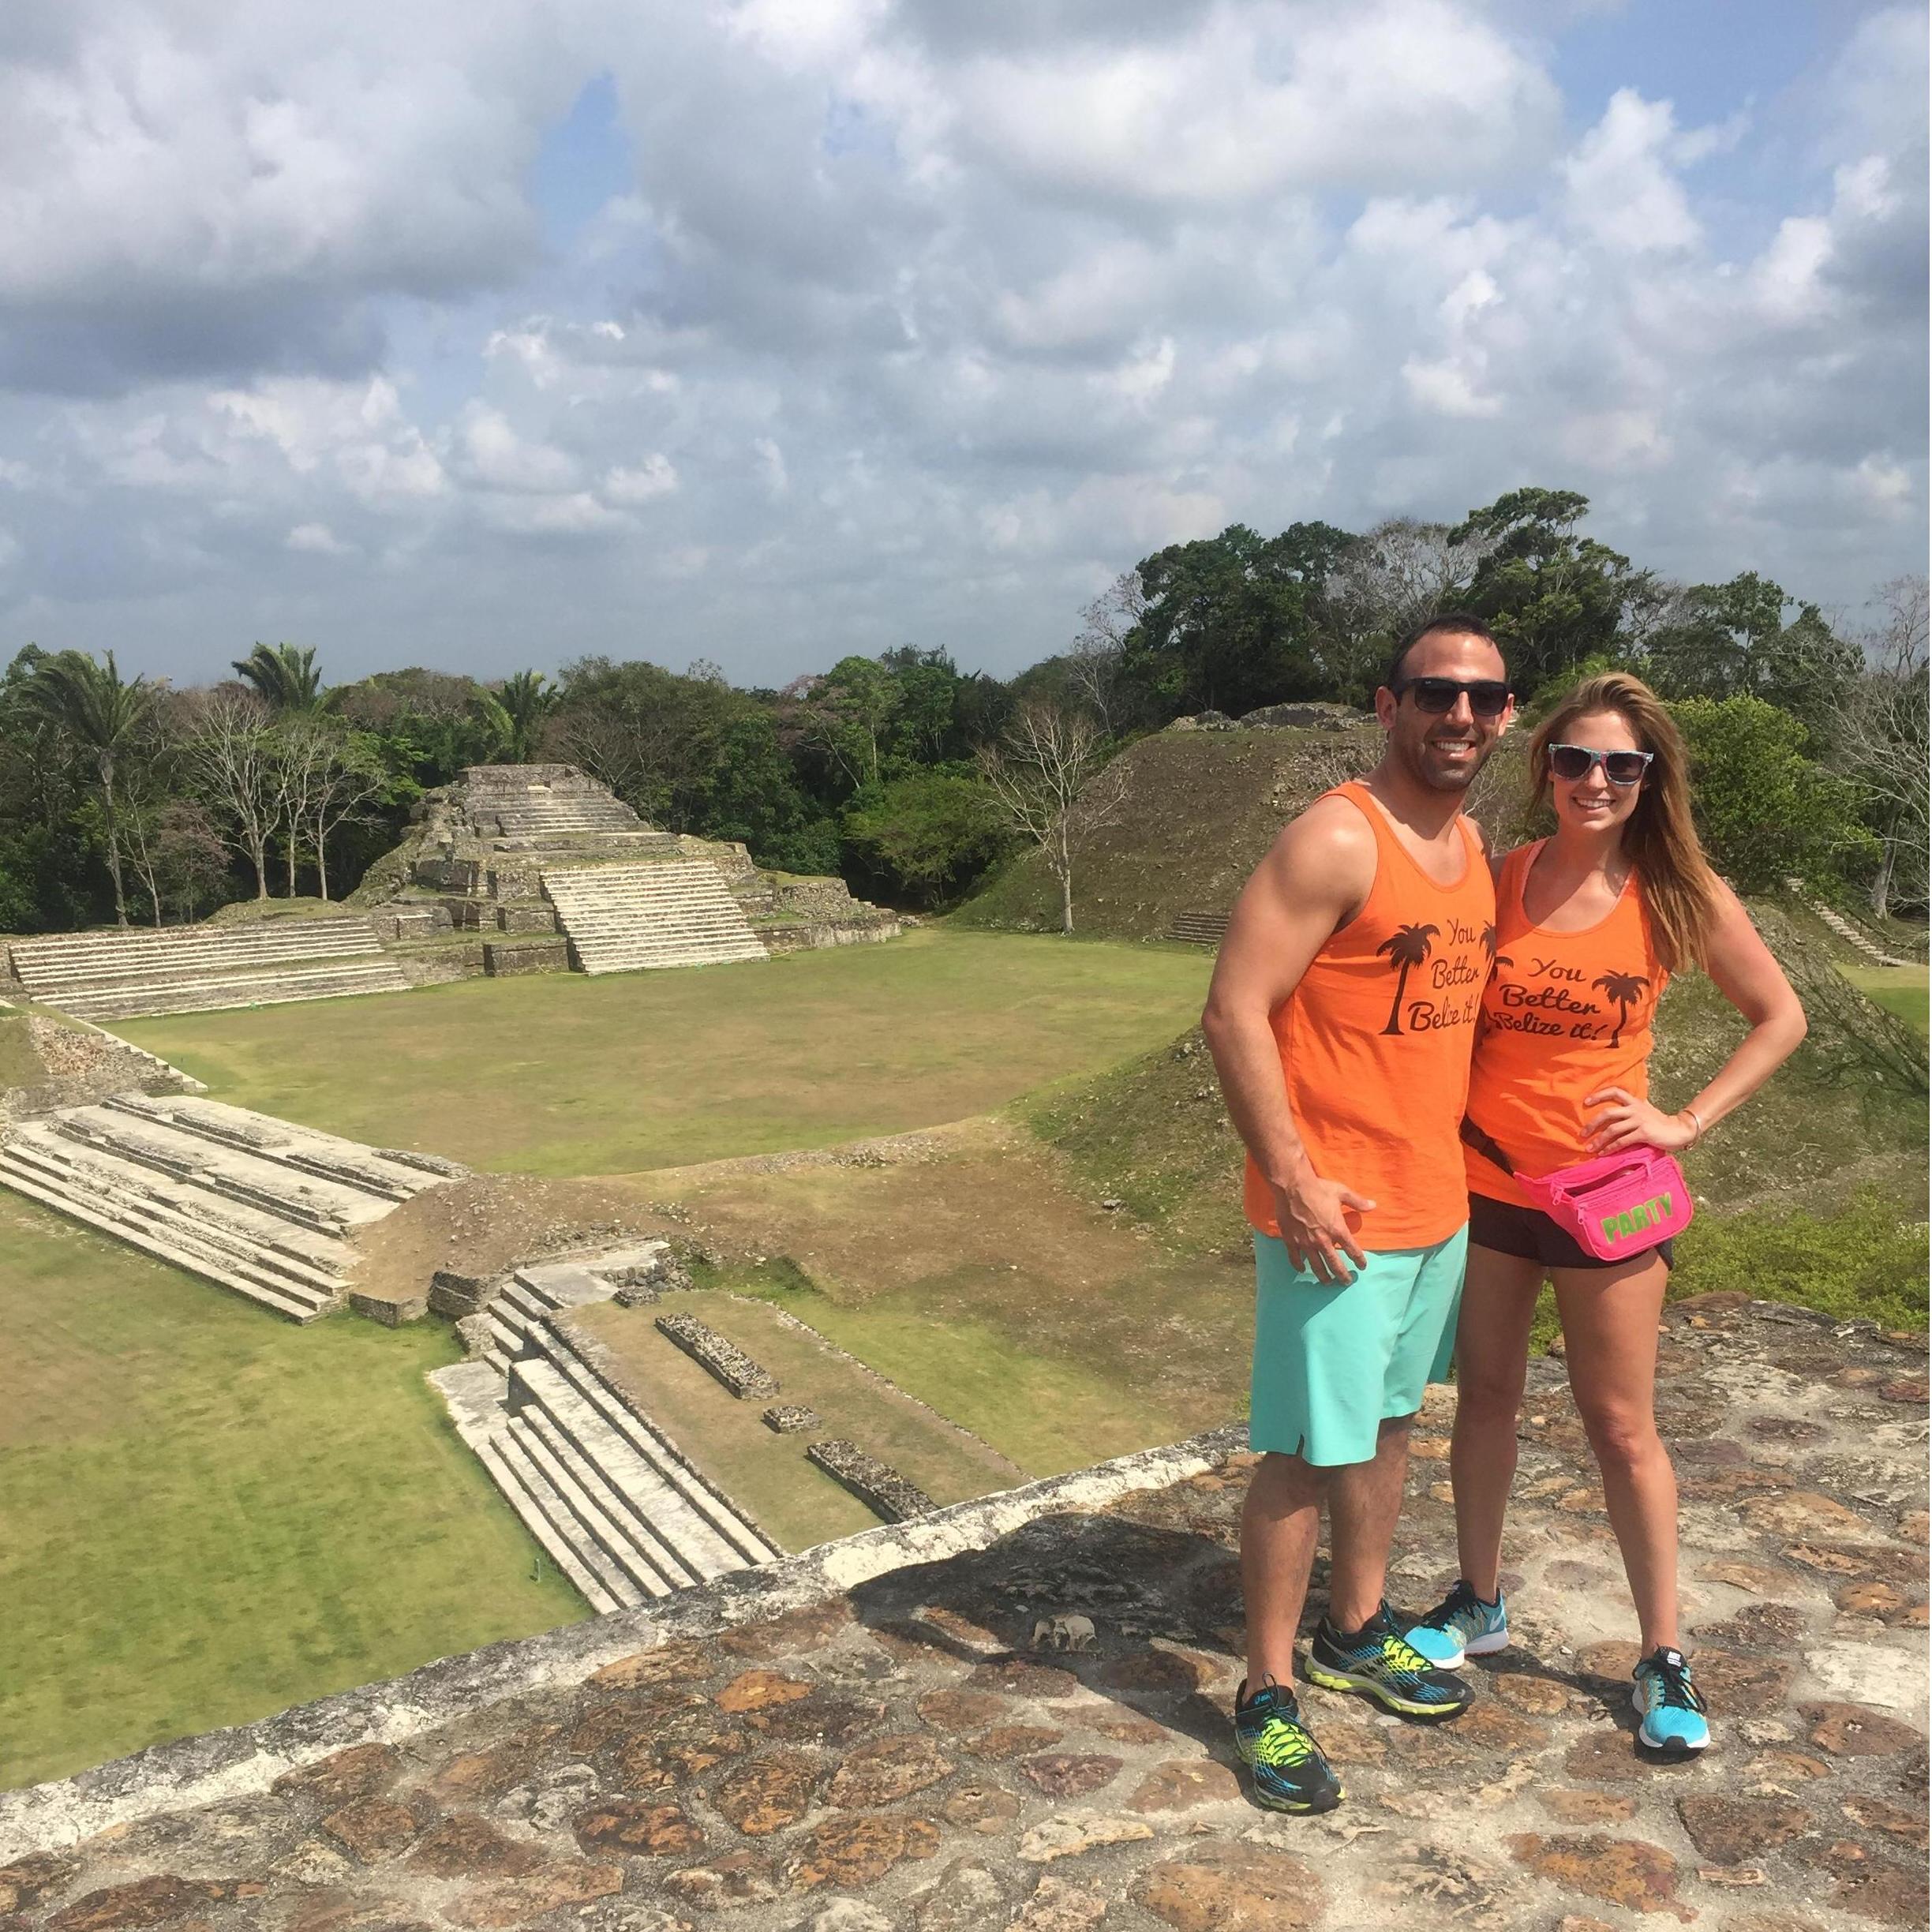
column 1610, row 1337
column 1492, row 1352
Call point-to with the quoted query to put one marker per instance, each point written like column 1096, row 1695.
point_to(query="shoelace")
column 1283, row 1744
column 1459, row 1606
column 1675, row 1691
column 1399, row 1652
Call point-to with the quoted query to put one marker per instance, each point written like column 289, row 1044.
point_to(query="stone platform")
column 255, row 1204
column 856, row 1739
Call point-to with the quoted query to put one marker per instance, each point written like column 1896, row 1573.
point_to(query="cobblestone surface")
column 895, row 1760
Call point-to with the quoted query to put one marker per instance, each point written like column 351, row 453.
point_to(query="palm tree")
column 286, row 679
column 1489, row 940
column 1626, row 988
column 1407, row 946
column 103, row 716
column 514, row 713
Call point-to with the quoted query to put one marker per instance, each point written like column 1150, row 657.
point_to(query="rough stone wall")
column 878, row 1486
column 84, row 1063
column 725, row 1359
column 505, row 959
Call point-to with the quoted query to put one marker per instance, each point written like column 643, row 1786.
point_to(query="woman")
column 1590, row 924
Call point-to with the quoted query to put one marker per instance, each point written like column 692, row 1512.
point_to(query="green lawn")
column 1900, row 989
column 566, row 1075
column 209, row 1514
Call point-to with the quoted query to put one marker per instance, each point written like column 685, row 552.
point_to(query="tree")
column 1228, row 622
column 1731, row 640
column 515, row 714
column 1096, row 661
column 1552, row 596
column 1766, row 811
column 845, row 716
column 178, row 856
column 1385, row 583
column 1049, row 774
column 232, row 757
column 104, row 716
column 325, row 776
column 926, row 833
column 284, row 678
column 1877, row 733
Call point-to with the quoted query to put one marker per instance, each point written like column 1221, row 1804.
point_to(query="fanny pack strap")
column 1474, row 1136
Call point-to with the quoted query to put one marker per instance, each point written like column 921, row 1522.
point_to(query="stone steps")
column 1853, row 935
column 672, row 912
column 256, row 988
column 709, row 1534
column 612, row 1499
column 256, row 1205
column 82, row 1193
column 1207, row 928
column 70, row 957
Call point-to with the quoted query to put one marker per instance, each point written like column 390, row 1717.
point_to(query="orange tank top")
column 1375, row 1043
column 1564, row 1014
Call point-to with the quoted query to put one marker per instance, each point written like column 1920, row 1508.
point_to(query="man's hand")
column 1310, row 1213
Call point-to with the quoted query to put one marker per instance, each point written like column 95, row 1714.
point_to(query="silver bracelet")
column 1697, row 1124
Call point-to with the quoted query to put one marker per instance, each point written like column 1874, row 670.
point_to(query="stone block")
column 390, row 1314
column 503, row 959
column 709, row 1349
column 881, row 1489
column 456, row 1295
column 533, row 918
column 788, row 1418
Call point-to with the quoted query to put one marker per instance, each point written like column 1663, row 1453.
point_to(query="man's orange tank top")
column 1375, row 1043
column 1564, row 1014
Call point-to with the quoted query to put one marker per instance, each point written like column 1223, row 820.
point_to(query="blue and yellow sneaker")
column 1379, row 1662
column 1290, row 1773
column 1668, row 1702
column 1461, row 1625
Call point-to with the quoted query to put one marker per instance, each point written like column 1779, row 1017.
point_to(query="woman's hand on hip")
column 1626, row 1121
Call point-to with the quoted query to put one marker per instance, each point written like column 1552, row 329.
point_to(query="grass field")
column 1902, row 991
column 209, row 1514
column 566, row 1075
column 796, row 1502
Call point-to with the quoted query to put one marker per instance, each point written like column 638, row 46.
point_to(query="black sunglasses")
column 1571, row 761
column 1438, row 696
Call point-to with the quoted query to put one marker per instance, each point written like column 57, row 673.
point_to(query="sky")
column 480, row 335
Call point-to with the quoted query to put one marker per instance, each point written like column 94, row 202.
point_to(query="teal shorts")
column 1332, row 1362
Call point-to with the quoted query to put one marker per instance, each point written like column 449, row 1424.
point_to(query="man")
column 1341, row 1020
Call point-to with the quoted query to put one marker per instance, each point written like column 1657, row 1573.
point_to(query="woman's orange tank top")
column 1565, row 1014
column 1375, row 1043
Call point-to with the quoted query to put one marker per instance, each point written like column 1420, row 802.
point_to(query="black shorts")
column 1531, row 1234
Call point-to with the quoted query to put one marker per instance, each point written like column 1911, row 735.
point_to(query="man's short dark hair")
column 1450, row 623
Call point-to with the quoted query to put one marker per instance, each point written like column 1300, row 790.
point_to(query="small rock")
column 1857, row 1730
column 967, row 1897
column 960, row 1711
column 372, row 1829
column 1221, row 1886
column 513, row 1901
column 1730, row 1830
column 983, row 1808
column 1881, row 1814
column 1621, row 1871
column 1184, row 1784
column 758, row 1690
column 1005, row 1741
column 1059, row 1906
column 26, row 1879
column 637, row 1826
column 1070, row 1833
column 360, row 1771
column 847, row 1914
column 1586, row 1807
column 768, row 1793
column 470, row 1847
column 885, row 1770
column 1070, row 1774
column 857, row 1852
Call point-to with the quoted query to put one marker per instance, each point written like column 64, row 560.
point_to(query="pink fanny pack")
column 1617, row 1205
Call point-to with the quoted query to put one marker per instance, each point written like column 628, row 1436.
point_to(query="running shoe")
column 1290, row 1773
column 1461, row 1625
column 1668, row 1702
column 1379, row 1662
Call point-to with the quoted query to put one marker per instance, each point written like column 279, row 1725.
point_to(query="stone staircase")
column 667, row 912
column 252, row 1204
column 615, row 1503
column 1851, row 934
column 104, row 976
column 1208, row 929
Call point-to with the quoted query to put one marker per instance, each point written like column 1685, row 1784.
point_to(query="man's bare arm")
column 1315, row 879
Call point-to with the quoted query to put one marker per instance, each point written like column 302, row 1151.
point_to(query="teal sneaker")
column 1378, row 1662
column 1667, row 1703
column 1290, row 1773
column 1461, row 1625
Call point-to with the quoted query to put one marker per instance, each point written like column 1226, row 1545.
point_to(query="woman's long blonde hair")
column 1660, row 836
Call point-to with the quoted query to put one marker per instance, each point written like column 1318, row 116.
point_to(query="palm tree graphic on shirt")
column 1626, row 988
column 1406, row 946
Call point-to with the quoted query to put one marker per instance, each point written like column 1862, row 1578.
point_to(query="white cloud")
column 917, row 320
